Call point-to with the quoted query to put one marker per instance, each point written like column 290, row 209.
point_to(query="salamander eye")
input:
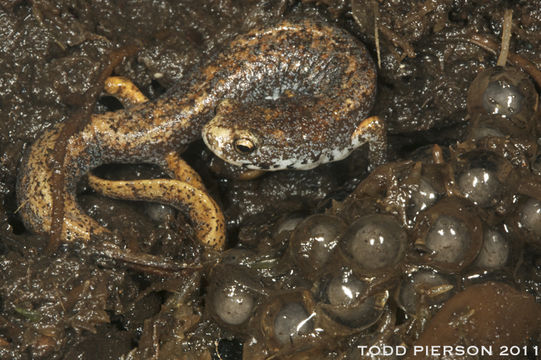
column 244, row 146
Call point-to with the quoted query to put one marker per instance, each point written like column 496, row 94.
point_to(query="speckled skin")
column 319, row 73
column 204, row 213
column 301, row 105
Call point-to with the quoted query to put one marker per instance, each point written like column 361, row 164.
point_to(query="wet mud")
column 456, row 206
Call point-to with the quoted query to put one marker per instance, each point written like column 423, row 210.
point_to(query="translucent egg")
column 347, row 303
column 422, row 198
column 375, row 241
column 159, row 212
column 232, row 294
column 344, row 289
column 500, row 97
column 314, row 240
column 503, row 99
column 233, row 304
column 291, row 323
column 449, row 239
column 530, row 216
column 433, row 287
column 495, row 251
column 479, row 185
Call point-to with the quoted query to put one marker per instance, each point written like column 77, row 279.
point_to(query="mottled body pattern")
column 311, row 83
column 301, row 105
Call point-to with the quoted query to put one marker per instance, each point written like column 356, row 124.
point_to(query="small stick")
column 506, row 37
column 375, row 9
column 397, row 40
column 514, row 59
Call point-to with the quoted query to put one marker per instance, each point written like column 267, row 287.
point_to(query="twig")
column 424, row 9
column 76, row 122
column 506, row 37
column 397, row 40
column 514, row 59
column 375, row 10
column 144, row 262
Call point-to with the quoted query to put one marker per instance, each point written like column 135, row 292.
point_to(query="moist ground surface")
column 73, row 303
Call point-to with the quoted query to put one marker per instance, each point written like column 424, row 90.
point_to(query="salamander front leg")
column 185, row 191
column 124, row 90
column 373, row 131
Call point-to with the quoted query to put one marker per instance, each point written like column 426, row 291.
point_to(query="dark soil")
column 76, row 304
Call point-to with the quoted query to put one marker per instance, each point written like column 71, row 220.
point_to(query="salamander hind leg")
column 35, row 194
column 35, row 178
column 185, row 192
column 205, row 214
column 180, row 170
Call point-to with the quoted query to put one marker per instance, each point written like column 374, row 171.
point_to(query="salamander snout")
column 232, row 145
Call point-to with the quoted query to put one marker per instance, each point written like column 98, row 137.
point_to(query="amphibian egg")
column 479, row 185
column 495, row 250
column 233, row 304
column 314, row 240
column 291, row 322
column 423, row 285
column 422, row 198
column 449, row 239
column 347, row 302
column 530, row 217
column 344, row 289
column 502, row 98
column 232, row 295
column 375, row 242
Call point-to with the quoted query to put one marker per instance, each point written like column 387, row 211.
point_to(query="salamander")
column 292, row 95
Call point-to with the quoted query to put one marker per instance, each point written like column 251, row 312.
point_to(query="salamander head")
column 247, row 136
column 274, row 135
